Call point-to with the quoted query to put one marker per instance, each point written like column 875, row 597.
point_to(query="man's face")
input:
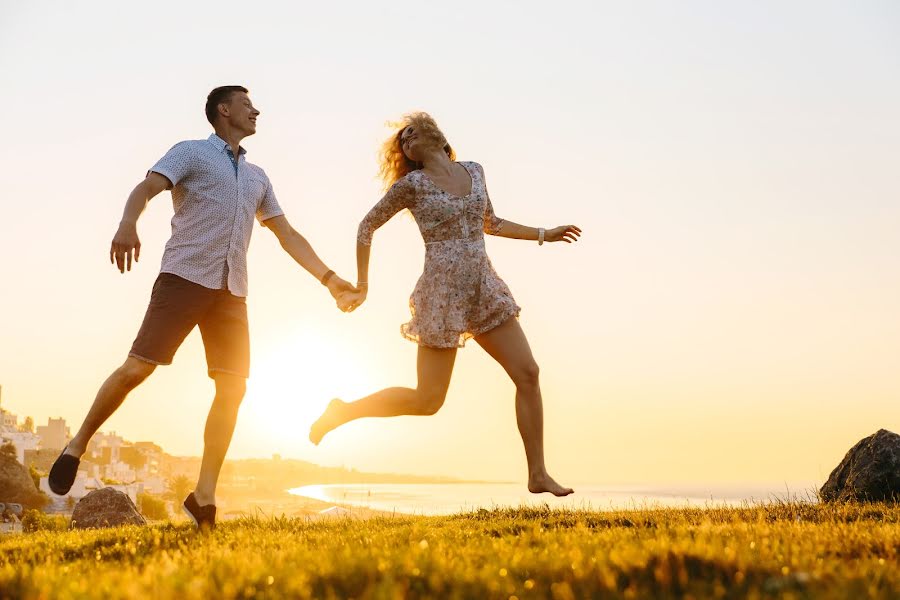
column 241, row 114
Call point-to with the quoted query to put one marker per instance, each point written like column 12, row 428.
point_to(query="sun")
column 294, row 379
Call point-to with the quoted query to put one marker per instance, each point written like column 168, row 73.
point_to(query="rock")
column 16, row 485
column 870, row 472
column 105, row 508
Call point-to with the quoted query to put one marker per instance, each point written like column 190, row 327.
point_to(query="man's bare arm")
column 302, row 252
column 125, row 244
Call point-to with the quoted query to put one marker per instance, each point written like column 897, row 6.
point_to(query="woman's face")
column 410, row 142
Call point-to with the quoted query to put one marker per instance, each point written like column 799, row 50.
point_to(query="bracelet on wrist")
column 541, row 236
column 327, row 276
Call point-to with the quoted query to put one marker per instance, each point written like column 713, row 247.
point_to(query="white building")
column 54, row 435
column 119, row 471
column 153, row 456
column 22, row 440
column 154, row 485
column 105, row 440
column 8, row 421
column 84, row 485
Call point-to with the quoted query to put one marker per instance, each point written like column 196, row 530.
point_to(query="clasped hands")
column 346, row 295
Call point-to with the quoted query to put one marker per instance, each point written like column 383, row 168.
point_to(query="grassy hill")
column 780, row 551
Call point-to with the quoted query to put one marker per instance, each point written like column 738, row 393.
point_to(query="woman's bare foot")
column 545, row 483
column 326, row 422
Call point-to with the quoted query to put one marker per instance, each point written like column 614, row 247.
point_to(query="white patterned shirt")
column 215, row 199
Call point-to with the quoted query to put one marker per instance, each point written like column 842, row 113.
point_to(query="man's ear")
column 223, row 109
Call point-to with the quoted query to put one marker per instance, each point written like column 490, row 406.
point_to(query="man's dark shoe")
column 204, row 517
column 63, row 473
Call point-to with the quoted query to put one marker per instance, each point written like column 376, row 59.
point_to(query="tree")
column 180, row 487
column 132, row 457
column 8, row 449
column 27, row 426
column 35, row 476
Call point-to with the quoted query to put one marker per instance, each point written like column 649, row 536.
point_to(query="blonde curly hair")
column 393, row 163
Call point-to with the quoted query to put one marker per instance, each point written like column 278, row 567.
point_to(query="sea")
column 452, row 498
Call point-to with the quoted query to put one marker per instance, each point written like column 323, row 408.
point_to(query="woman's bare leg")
column 509, row 347
column 434, row 367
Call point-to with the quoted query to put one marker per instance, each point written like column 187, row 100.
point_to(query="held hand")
column 338, row 287
column 350, row 301
column 125, row 246
column 563, row 233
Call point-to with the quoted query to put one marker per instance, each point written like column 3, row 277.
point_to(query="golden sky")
column 730, row 315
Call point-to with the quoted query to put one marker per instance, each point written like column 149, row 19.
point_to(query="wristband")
column 327, row 276
column 540, row 236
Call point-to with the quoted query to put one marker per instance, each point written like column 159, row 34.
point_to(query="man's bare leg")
column 434, row 367
column 509, row 347
column 111, row 395
column 217, row 437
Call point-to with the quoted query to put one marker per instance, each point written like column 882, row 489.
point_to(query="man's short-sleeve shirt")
column 216, row 197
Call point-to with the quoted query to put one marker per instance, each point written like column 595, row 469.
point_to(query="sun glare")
column 293, row 382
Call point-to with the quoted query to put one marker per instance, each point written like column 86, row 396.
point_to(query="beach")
column 450, row 498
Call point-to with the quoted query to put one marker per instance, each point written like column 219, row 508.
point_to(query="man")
column 203, row 281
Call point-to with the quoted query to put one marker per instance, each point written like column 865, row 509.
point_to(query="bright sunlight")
column 294, row 379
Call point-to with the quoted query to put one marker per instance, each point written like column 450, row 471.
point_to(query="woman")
column 458, row 296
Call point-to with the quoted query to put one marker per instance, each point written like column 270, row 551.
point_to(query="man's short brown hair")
column 218, row 96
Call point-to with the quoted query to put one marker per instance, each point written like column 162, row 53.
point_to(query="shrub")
column 152, row 507
column 36, row 520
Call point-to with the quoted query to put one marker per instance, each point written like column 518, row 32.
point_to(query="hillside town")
column 135, row 468
column 155, row 481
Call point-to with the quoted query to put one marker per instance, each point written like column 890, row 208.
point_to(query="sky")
column 729, row 316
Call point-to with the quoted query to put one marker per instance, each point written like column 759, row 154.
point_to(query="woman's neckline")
column 440, row 189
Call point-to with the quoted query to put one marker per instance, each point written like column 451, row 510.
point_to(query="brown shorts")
column 176, row 307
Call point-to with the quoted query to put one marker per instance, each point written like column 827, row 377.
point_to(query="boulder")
column 16, row 485
column 105, row 507
column 870, row 472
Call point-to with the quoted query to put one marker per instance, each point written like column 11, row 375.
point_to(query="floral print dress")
column 459, row 295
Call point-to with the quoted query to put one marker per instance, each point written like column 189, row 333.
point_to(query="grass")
column 787, row 550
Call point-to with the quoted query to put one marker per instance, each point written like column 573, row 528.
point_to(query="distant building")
column 155, row 485
column 54, row 435
column 83, row 486
column 136, row 467
column 105, row 447
column 40, row 459
column 153, row 459
column 148, row 447
column 8, row 421
column 188, row 466
column 119, row 471
column 22, row 440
